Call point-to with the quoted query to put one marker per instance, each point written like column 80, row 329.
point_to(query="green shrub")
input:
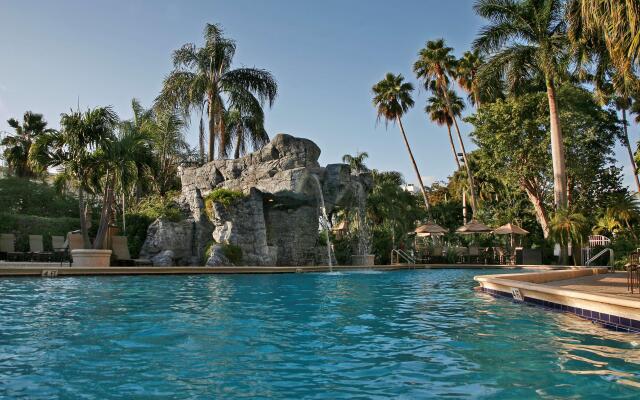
column 222, row 196
column 156, row 206
column 22, row 196
column 24, row 225
column 233, row 253
column 137, row 225
column 343, row 249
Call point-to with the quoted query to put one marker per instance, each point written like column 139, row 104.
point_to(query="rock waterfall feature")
column 271, row 219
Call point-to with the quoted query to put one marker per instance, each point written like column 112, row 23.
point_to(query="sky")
column 325, row 55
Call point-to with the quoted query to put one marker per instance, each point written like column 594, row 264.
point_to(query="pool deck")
column 592, row 293
column 44, row 269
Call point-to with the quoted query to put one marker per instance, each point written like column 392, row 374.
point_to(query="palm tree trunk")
column 83, row 219
column 105, row 215
column 557, row 158
column 201, row 139
column 453, row 147
column 212, row 128
column 628, row 146
column 472, row 190
column 557, row 150
column 415, row 166
column 236, row 154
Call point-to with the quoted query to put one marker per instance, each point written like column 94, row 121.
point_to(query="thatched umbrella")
column 510, row 229
column 473, row 227
column 430, row 229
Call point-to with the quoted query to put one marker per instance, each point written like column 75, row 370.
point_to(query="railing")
column 603, row 251
column 397, row 254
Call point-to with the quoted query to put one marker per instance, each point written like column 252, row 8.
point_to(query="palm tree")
column 435, row 63
column 617, row 22
column 246, row 127
column 392, row 98
column 77, row 148
column 607, row 223
column 568, row 227
column 439, row 113
column 356, row 163
column 526, row 38
column 17, row 146
column 625, row 207
column 466, row 71
column 611, row 85
column 202, row 77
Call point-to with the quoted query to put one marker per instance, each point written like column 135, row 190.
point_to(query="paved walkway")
column 615, row 284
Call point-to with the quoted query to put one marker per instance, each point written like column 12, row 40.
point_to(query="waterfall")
column 363, row 232
column 326, row 219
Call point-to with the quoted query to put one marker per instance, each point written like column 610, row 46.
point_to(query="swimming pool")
column 402, row 334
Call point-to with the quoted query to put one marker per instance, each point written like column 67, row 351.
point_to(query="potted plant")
column 95, row 155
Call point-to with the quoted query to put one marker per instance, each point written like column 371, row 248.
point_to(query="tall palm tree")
column 17, row 146
column 203, row 77
column 466, row 71
column 439, row 113
column 434, row 65
column 526, row 38
column 392, row 98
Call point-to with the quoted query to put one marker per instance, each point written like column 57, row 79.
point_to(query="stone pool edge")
column 44, row 269
column 614, row 312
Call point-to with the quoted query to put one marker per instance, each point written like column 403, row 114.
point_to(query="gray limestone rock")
column 275, row 222
column 217, row 257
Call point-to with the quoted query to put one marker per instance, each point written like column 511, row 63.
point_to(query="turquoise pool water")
column 404, row 334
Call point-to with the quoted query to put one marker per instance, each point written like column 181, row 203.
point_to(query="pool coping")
column 56, row 269
column 614, row 312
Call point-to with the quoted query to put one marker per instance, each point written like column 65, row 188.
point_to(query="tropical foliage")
column 203, row 80
column 18, row 144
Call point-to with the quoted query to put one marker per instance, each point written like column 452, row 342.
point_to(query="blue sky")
column 326, row 55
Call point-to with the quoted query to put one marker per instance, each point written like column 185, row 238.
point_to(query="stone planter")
column 363, row 260
column 91, row 258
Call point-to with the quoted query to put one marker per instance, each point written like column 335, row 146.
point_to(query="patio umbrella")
column 473, row 227
column 510, row 229
column 430, row 229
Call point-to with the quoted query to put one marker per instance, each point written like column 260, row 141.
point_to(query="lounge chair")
column 36, row 247
column 8, row 248
column 59, row 247
column 120, row 248
column 474, row 254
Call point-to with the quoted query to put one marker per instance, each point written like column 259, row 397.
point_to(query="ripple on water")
column 407, row 334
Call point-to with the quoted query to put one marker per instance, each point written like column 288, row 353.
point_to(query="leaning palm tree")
column 434, row 65
column 203, row 77
column 17, row 146
column 439, row 113
column 528, row 38
column 392, row 98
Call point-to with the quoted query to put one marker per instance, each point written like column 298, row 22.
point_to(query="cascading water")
column 363, row 233
column 324, row 222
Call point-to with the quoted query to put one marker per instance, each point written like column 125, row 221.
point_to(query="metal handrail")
column 592, row 259
column 401, row 253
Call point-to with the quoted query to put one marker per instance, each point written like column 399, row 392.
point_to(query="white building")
column 411, row 188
